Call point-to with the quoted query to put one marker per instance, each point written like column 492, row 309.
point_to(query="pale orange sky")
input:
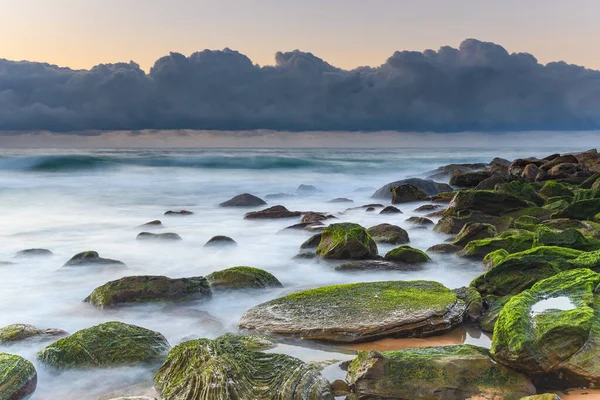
column 346, row 33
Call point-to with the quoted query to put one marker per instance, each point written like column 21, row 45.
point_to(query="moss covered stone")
column 494, row 258
column 583, row 209
column 487, row 202
column 242, row 278
column 564, row 223
column 388, row 233
column 408, row 255
column 18, row 378
column 233, row 367
column 570, row 238
column 555, row 189
column 553, row 329
column 107, row 345
column 360, row 311
column 448, row 372
column 148, row 288
column 513, row 241
column 18, row 332
column 472, row 300
column 525, row 222
column 556, row 206
column 452, row 222
column 407, row 193
column 522, row 190
column 92, row 258
column 474, row 231
column 346, row 241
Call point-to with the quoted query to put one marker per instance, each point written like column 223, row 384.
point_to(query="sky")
column 347, row 33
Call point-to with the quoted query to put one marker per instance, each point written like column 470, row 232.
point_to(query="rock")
column 18, row 378
column 277, row 196
column 341, row 200
column 390, row 210
column 152, row 224
column 304, row 256
column 180, row 213
column 34, row 253
column 552, row 330
column 583, row 209
column 446, row 171
column 92, row 258
column 564, row 223
column 455, row 222
column 306, row 190
column 490, row 183
column 388, row 233
column 513, row 241
column 19, row 332
column 408, row 255
column 242, row 278
column 274, row 212
column 555, row 189
column 407, row 193
column 448, row 372
column 545, row 396
column 167, row 236
column 220, row 241
column 314, row 218
column 522, row 190
column 428, row 207
column 148, row 288
column 244, row 200
column 359, row 312
column 419, row 221
column 312, row 242
column 369, row 209
column 377, row 265
column 530, row 173
column 500, row 161
column 443, row 197
column 525, row 222
column 340, row 388
column 566, row 159
column 346, row 241
column 234, row 367
column 474, row 231
column 589, row 182
column 515, row 169
column 108, row 345
column 302, row 226
column 570, row 238
column 469, row 179
column 445, row 248
column 589, row 159
column 568, row 171
column 491, row 203
column 472, row 300
column 428, row 186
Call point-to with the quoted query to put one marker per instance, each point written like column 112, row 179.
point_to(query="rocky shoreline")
column 533, row 223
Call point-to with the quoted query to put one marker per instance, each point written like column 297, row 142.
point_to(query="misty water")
column 71, row 201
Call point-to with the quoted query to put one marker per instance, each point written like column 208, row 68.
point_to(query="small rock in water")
column 388, row 233
column 315, row 217
column 446, row 248
column 377, row 265
column 91, row 258
column 370, row 209
column 18, row 332
column 33, row 253
column 279, row 196
column 244, row 200
column 306, row 189
column 341, row 200
column 428, row 207
column 152, row 224
column 18, row 377
column 220, row 241
column 179, row 213
column 167, row 236
column 419, row 221
column 390, row 210
column 407, row 193
column 346, row 241
column 274, row 212
column 242, row 278
column 407, row 254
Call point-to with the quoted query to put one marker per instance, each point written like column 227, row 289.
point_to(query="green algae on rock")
column 408, row 255
column 242, row 278
column 474, row 231
column 111, row 344
column 487, row 202
column 18, row 377
column 148, row 288
column 513, row 241
column 18, row 332
column 453, row 222
column 430, row 373
column 233, row 367
column 525, row 222
column 388, row 233
column 360, row 311
column 583, row 209
column 346, row 241
column 555, row 189
column 570, row 238
column 521, row 190
column 552, row 330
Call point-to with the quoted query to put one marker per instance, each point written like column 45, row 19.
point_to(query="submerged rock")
column 388, row 233
column 407, row 193
column 180, row 213
column 346, row 241
column 242, row 278
column 448, row 372
column 18, row 332
column 108, row 345
column 92, row 258
column 341, row 200
column 234, row 367
column 377, row 265
column 34, row 253
column 152, row 224
column 274, row 212
column 408, row 255
column 148, row 288
column 18, row 377
column 390, row 210
column 446, row 248
column 220, row 241
column 167, row 236
column 306, row 189
column 360, row 311
column 244, row 200
column 419, row 221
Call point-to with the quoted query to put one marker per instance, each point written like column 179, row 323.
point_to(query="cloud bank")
column 477, row 87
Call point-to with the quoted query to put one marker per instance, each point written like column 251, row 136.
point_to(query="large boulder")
column 360, row 311
column 18, row 332
column 408, row 255
column 234, row 367
column 388, row 233
column 18, row 378
column 346, row 241
column 474, row 231
column 407, row 193
column 244, row 200
column 552, row 331
column 513, row 241
column 90, row 259
column 428, row 186
column 448, row 372
column 242, row 278
column 107, row 345
column 570, row 238
column 491, row 203
column 148, row 288
column 274, row 212
column 469, row 179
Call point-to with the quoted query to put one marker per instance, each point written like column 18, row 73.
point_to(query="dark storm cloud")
column 479, row 86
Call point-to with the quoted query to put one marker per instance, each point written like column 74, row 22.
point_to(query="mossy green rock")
column 346, row 241
column 388, row 233
column 564, row 223
column 453, row 223
column 431, row 373
column 555, row 189
column 553, row 330
column 18, row 332
column 408, row 255
column 232, row 367
column 525, row 222
column 584, row 209
column 512, row 241
column 242, row 278
column 107, row 345
column 521, row 190
column 474, row 231
column 556, row 206
column 360, row 311
column 570, row 238
column 473, row 301
column 148, row 288
column 18, row 378
column 487, row 202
